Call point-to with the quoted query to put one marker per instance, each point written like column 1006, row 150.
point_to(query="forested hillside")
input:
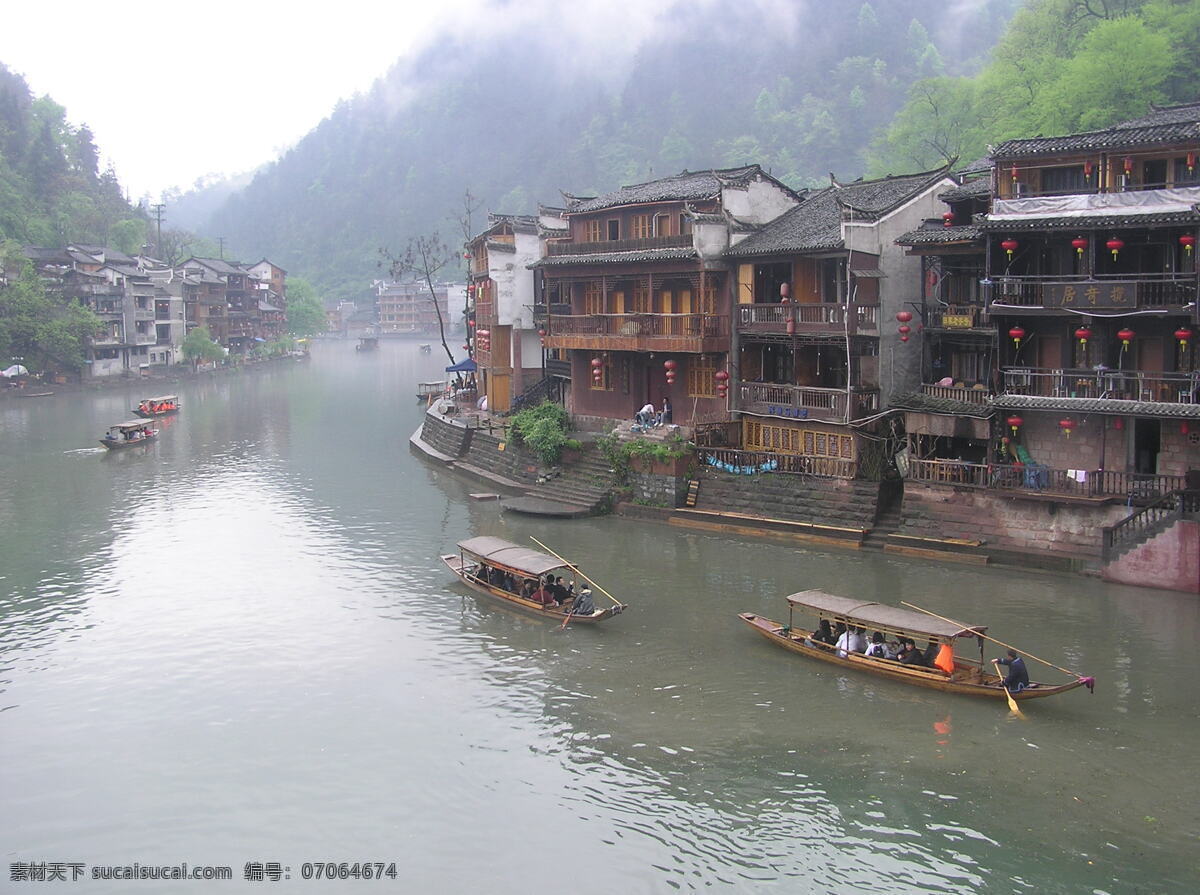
column 517, row 115
column 1062, row 66
column 51, row 189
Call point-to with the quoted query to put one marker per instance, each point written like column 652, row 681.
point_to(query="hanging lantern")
column 467, row 255
column 466, row 347
column 1127, row 164
column 1183, row 429
column 1188, row 242
column 1126, row 336
column 1014, row 173
column 1080, row 244
column 669, row 365
column 470, row 288
column 1083, row 334
column 1182, row 336
column 1015, row 423
column 1010, row 246
column 597, row 363
column 1016, row 334
column 904, row 338
column 948, row 219
column 905, row 330
column 1119, row 423
column 1115, row 245
column 471, row 323
column 904, row 316
column 1191, row 161
column 785, row 290
column 542, row 335
column 1066, row 424
column 721, row 376
column 1088, row 168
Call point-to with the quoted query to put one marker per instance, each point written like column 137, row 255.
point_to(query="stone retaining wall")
column 444, row 436
column 514, row 462
column 844, row 503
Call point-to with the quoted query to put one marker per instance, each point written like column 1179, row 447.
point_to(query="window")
column 700, row 377
column 591, row 231
column 614, row 230
column 685, row 224
column 604, row 382
column 643, row 226
column 641, row 298
column 662, row 225
column 593, row 298
column 1183, row 175
column 807, row 442
column 708, row 298
column 1062, row 181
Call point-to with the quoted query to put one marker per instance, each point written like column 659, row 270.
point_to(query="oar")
column 576, row 569
column 1073, row 674
column 1012, row 703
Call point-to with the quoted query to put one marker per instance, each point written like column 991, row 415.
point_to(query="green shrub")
column 544, row 429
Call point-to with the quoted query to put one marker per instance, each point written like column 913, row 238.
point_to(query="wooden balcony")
column 1100, row 293
column 979, row 396
column 688, row 333
column 1154, row 387
column 1037, row 479
column 773, row 318
column 802, row 402
column 619, row 245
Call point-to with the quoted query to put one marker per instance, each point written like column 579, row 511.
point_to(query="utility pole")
column 158, row 212
column 221, row 247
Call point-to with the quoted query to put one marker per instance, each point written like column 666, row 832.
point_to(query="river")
column 237, row 644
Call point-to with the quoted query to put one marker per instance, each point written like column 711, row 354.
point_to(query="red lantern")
column 470, row 288
column 785, row 290
column 1115, row 245
column 1183, row 429
column 1080, row 244
column 1191, row 161
column 904, row 316
column 1014, row 173
column 1182, row 335
column 1187, row 241
column 790, row 326
column 1126, row 336
column 467, row 255
column 466, row 347
column 1066, row 424
column 471, row 323
column 904, row 338
column 948, row 219
column 1010, row 246
column 597, row 363
column 1083, row 334
column 905, row 330
column 669, row 365
column 1015, row 423
column 721, row 376
column 1119, row 423
column 1127, row 163
column 1088, row 167
column 1016, row 334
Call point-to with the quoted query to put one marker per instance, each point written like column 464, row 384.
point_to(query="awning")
column 878, row 615
column 463, row 366
column 500, row 552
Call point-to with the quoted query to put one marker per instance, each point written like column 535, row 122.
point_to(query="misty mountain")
column 517, row 107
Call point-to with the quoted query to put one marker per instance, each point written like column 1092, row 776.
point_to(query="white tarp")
column 14, row 370
column 1100, row 205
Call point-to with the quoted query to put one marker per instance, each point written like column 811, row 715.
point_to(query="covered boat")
column 427, row 391
column 127, row 434
column 367, row 343
column 952, row 673
column 163, row 405
column 512, row 574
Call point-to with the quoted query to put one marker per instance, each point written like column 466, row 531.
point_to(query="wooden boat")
column 481, row 560
column 969, row 677
column 426, row 348
column 163, row 405
column 367, row 343
column 428, row 391
column 127, row 434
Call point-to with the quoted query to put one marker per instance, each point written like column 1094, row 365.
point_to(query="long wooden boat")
column 428, row 391
column 482, row 561
column 163, row 405
column 970, row 677
column 128, row 434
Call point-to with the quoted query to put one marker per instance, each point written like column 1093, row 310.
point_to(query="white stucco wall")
column 710, row 240
column 514, row 281
column 762, row 201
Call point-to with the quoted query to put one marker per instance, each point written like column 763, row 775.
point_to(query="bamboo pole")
column 574, row 568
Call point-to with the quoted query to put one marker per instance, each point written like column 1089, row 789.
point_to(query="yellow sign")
column 958, row 321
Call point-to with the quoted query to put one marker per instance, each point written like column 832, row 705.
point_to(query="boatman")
column 1018, row 677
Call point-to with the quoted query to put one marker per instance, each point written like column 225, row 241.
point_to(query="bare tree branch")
column 423, row 258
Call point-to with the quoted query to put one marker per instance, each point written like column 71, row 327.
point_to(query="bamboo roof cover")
column 162, row 398
column 498, row 551
column 878, row 615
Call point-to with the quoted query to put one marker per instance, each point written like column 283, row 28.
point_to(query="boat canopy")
column 880, row 615
column 497, row 551
column 161, row 399
column 130, row 424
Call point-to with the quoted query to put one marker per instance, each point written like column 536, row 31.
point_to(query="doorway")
column 1147, row 441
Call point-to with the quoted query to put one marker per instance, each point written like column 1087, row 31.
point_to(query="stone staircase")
column 586, row 481
column 1149, row 522
column 889, row 514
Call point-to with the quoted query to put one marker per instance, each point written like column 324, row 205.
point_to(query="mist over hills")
column 527, row 101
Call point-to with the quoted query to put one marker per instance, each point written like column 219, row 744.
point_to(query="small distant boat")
column 34, row 394
column 367, row 343
column 127, row 434
column 163, row 405
column 969, row 677
column 426, row 348
column 489, row 565
column 427, row 391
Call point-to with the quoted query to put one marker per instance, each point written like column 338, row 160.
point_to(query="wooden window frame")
column 592, row 231
column 613, row 225
column 593, row 297
column 641, row 226
column 700, row 382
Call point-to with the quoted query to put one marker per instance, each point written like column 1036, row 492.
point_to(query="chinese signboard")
column 1090, row 295
column 957, row 321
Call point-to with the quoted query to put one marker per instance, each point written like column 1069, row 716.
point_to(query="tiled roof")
column 44, row 255
column 816, row 223
column 1174, row 124
column 972, row 189
column 219, row 265
column 495, row 245
column 616, row 257
column 688, row 186
column 977, row 167
column 919, row 401
column 1098, row 405
column 938, row 234
column 1106, row 221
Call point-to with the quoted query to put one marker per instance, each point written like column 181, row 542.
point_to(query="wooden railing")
column 1149, row 521
column 619, row 245
column 774, row 317
column 823, row 403
column 1044, row 479
column 957, row 393
column 641, row 325
column 1124, row 385
column 724, row 434
column 1149, row 290
column 769, row 461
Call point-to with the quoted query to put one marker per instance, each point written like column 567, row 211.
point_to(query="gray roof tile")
column 690, row 186
column 938, row 234
column 1098, row 405
column 616, row 257
column 1159, row 219
column 1173, row 124
column 919, row 401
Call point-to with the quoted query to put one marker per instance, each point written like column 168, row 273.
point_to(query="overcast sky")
column 174, row 91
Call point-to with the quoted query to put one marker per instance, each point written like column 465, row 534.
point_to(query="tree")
column 198, row 345
column 37, row 327
column 128, row 236
column 424, row 258
column 305, row 312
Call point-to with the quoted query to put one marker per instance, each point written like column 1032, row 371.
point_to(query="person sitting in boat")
column 1018, row 675
column 823, row 634
column 909, row 654
column 584, row 604
column 851, row 641
column 878, row 648
column 544, row 596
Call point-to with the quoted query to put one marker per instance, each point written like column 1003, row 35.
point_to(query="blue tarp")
column 463, row 366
